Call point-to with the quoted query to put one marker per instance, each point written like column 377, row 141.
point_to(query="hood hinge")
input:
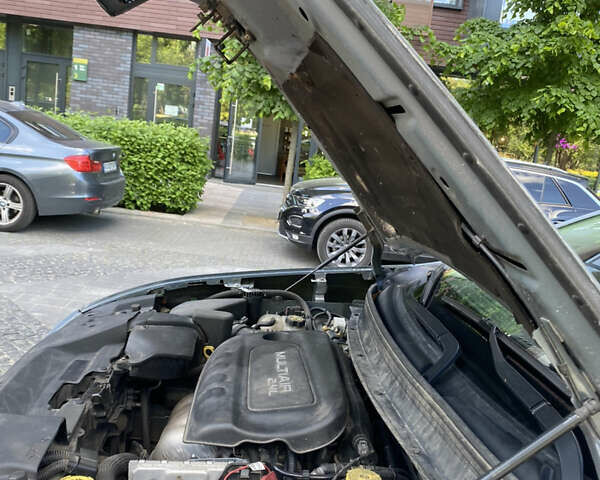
column 213, row 10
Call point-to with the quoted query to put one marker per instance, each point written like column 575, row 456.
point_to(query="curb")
column 182, row 218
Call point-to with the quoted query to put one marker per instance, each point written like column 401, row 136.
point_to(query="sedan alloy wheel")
column 11, row 204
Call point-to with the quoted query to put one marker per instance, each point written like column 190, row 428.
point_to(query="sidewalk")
column 235, row 205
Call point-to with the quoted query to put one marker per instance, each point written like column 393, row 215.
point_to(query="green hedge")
column 165, row 165
column 318, row 166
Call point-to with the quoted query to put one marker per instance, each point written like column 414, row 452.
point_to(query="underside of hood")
column 423, row 173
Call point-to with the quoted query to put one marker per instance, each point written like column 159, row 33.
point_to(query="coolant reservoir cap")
column 360, row 473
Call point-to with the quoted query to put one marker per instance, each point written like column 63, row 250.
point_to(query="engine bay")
column 234, row 378
column 240, row 384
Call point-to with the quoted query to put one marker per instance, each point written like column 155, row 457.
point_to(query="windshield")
column 45, row 125
column 593, row 265
column 455, row 288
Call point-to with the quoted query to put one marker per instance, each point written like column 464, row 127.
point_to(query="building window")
column 48, row 40
column 139, row 107
column 165, row 51
column 170, row 51
column 143, row 49
column 456, row 4
column 162, row 89
column 2, row 36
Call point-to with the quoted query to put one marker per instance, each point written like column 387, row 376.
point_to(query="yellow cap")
column 76, row 477
column 360, row 473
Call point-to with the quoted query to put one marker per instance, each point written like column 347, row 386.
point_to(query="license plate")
column 110, row 167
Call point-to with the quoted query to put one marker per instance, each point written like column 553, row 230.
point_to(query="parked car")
column 561, row 195
column 583, row 236
column 47, row 168
column 356, row 373
column 322, row 213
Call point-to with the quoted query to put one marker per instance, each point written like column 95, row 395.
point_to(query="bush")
column 165, row 165
column 318, row 166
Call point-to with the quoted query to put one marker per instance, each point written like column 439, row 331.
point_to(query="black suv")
column 322, row 213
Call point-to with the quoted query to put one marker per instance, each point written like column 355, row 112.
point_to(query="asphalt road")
column 62, row 263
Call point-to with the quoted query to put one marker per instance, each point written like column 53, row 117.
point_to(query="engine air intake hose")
column 271, row 293
column 115, row 466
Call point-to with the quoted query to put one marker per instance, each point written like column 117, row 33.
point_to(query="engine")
column 234, row 386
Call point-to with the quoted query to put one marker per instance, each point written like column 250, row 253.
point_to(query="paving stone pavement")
column 253, row 206
column 60, row 264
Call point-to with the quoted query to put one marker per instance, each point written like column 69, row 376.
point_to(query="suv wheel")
column 17, row 206
column 337, row 235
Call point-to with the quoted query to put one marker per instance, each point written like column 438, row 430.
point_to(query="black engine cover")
column 262, row 388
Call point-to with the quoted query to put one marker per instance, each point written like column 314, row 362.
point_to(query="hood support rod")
column 589, row 408
column 337, row 254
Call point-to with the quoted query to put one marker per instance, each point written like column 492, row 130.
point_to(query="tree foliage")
column 248, row 82
column 541, row 74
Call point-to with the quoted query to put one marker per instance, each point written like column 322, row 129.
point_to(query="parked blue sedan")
column 46, row 168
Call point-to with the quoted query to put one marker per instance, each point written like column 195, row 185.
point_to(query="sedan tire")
column 339, row 234
column 17, row 205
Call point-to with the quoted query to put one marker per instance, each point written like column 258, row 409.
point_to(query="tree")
column 250, row 84
column 541, row 74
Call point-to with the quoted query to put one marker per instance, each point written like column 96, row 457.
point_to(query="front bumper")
column 293, row 236
column 291, row 223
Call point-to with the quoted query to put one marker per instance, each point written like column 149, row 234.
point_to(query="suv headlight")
column 309, row 202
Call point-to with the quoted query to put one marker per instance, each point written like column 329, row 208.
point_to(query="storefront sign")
column 80, row 69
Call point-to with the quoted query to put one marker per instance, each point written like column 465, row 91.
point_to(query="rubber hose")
column 300, row 475
column 226, row 294
column 115, row 466
column 54, row 454
column 145, row 411
column 358, row 429
column 297, row 298
column 54, row 469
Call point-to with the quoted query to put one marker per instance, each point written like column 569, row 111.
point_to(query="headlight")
column 309, row 202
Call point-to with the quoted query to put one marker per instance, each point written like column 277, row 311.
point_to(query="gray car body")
column 39, row 162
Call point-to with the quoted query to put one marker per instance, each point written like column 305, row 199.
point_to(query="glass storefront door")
column 160, row 102
column 45, row 82
column 172, row 103
column 240, row 165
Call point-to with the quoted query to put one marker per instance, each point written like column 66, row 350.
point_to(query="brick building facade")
column 41, row 40
column 109, row 53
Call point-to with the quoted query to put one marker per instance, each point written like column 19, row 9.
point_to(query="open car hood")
column 421, row 170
